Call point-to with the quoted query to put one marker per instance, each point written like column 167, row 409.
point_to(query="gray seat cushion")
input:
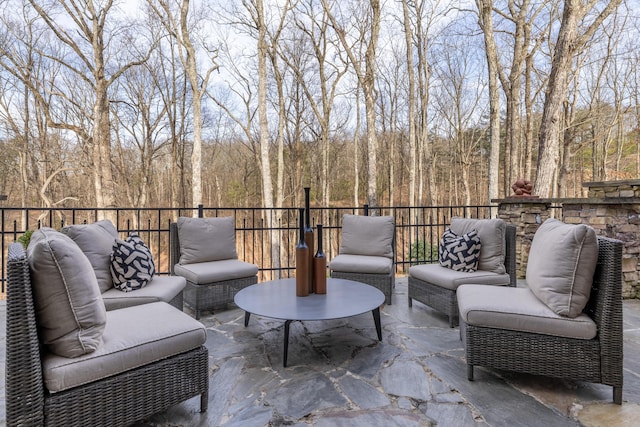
column 206, row 239
column 160, row 288
column 362, row 264
column 96, row 241
column 69, row 310
column 451, row 279
column 130, row 340
column 216, row 271
column 518, row 309
column 491, row 233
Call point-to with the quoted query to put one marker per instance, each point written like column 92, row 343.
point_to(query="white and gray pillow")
column 492, row 236
column 460, row 253
column 132, row 265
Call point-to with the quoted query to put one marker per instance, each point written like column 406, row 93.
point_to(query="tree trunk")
column 491, row 52
column 549, row 139
column 191, row 70
column 103, row 175
column 368, row 86
column 411, row 75
column 568, row 44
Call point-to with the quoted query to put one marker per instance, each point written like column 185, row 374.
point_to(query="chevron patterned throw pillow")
column 460, row 253
column 132, row 265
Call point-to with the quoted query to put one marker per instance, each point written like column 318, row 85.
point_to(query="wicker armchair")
column 367, row 252
column 118, row 400
column 436, row 286
column 213, row 282
column 597, row 360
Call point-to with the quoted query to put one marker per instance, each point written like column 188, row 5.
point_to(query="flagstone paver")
column 339, row 374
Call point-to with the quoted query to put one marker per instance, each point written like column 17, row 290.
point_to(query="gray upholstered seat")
column 518, row 309
column 366, row 252
column 436, row 286
column 167, row 289
column 451, row 279
column 131, row 339
column 203, row 251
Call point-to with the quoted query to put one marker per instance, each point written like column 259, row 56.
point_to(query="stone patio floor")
column 338, row 374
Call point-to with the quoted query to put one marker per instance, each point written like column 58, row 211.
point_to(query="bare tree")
column 169, row 78
column 457, row 100
column 425, row 15
column 571, row 38
column 87, row 57
column 365, row 70
column 178, row 25
column 140, row 129
column 320, row 91
column 518, row 19
column 485, row 16
column 411, row 99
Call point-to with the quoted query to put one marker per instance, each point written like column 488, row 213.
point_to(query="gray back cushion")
column 562, row 261
column 206, row 239
column 367, row 235
column 491, row 233
column 96, row 241
column 69, row 309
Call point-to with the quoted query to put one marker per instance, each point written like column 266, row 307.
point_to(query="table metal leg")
column 286, row 342
column 246, row 318
column 376, row 320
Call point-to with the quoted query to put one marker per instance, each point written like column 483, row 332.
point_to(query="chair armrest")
column 24, row 384
column 510, row 253
column 174, row 247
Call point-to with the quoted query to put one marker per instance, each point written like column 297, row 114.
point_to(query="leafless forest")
column 161, row 103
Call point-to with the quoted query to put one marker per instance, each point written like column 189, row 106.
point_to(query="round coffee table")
column 277, row 299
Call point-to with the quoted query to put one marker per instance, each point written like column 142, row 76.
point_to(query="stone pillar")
column 612, row 209
column 526, row 214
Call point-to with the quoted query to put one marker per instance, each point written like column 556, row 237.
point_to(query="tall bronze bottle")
column 320, row 266
column 308, row 236
column 302, row 262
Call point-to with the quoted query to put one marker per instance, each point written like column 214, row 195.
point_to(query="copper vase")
column 302, row 262
column 320, row 266
column 308, row 236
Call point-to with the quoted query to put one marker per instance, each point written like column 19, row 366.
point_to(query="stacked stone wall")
column 611, row 208
column 527, row 217
column 618, row 222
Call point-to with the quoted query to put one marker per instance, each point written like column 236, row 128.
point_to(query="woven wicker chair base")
column 214, row 296
column 440, row 299
column 178, row 301
column 132, row 396
column 537, row 354
column 383, row 282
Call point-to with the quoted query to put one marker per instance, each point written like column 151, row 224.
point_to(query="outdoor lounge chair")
column 366, row 252
column 96, row 240
column 143, row 359
column 566, row 324
column 436, row 286
column 203, row 251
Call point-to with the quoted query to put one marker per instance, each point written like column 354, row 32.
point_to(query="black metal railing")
column 258, row 230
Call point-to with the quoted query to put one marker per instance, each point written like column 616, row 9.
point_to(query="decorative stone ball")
column 522, row 187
